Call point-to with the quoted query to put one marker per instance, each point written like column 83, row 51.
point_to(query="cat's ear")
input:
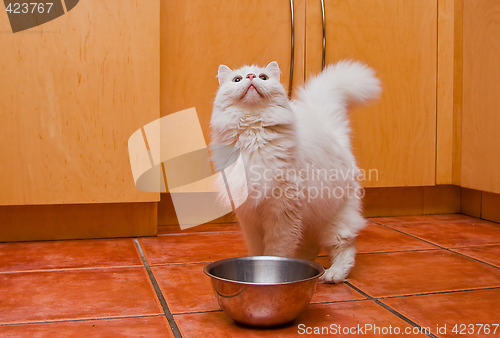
column 274, row 69
column 224, row 73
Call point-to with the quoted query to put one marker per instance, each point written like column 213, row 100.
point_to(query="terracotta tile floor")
column 438, row 272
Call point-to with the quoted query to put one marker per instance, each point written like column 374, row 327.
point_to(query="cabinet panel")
column 71, row 93
column 481, row 100
column 396, row 136
column 199, row 35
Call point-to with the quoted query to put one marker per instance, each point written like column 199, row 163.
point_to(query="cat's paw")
column 334, row 275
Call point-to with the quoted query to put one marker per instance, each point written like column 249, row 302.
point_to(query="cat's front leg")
column 253, row 238
column 281, row 240
column 282, row 228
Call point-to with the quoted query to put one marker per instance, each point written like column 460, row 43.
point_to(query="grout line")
column 388, row 308
column 73, row 269
column 80, row 320
column 159, row 294
column 439, row 292
column 188, row 263
column 340, row 301
column 196, row 312
column 472, row 258
column 185, row 263
column 439, row 246
column 394, row 251
column 474, row 246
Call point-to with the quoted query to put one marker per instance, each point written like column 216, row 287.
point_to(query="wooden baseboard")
column 490, row 206
column 471, row 202
column 397, row 201
column 77, row 221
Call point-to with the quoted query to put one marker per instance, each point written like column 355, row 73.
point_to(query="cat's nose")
column 251, row 76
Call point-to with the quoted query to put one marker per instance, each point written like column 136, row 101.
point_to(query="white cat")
column 301, row 175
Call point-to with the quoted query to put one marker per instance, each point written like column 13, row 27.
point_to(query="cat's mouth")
column 251, row 88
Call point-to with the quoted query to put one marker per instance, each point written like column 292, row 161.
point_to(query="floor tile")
column 70, row 294
column 334, row 293
column 186, row 288
column 488, row 253
column 68, row 254
column 208, row 227
column 454, row 234
column 330, row 316
column 413, row 272
column 193, row 248
column 122, row 327
column 444, row 311
column 377, row 238
column 421, row 219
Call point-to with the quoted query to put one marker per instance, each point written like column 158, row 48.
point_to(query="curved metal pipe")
column 292, row 50
column 323, row 56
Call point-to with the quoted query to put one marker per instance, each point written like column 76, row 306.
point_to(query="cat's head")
column 250, row 86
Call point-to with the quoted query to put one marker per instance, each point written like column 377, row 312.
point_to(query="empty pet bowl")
column 263, row 290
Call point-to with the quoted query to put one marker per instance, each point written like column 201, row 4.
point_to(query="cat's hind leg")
column 253, row 238
column 342, row 258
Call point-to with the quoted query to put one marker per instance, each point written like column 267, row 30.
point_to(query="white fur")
column 283, row 144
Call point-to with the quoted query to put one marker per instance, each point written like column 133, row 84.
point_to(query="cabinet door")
column 199, row 35
column 71, row 93
column 394, row 138
column 481, row 100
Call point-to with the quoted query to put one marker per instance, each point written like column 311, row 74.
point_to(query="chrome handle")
column 324, row 34
column 292, row 50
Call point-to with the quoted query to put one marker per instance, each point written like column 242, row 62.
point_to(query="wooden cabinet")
column 481, row 96
column 71, row 93
column 396, row 136
column 394, row 139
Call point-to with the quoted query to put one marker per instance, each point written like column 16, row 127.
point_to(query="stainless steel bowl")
column 263, row 290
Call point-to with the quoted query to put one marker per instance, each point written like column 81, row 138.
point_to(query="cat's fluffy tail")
column 328, row 95
column 347, row 80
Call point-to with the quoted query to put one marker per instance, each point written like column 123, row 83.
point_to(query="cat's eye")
column 237, row 79
column 263, row 77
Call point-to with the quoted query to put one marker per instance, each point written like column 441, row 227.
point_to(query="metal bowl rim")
column 317, row 266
